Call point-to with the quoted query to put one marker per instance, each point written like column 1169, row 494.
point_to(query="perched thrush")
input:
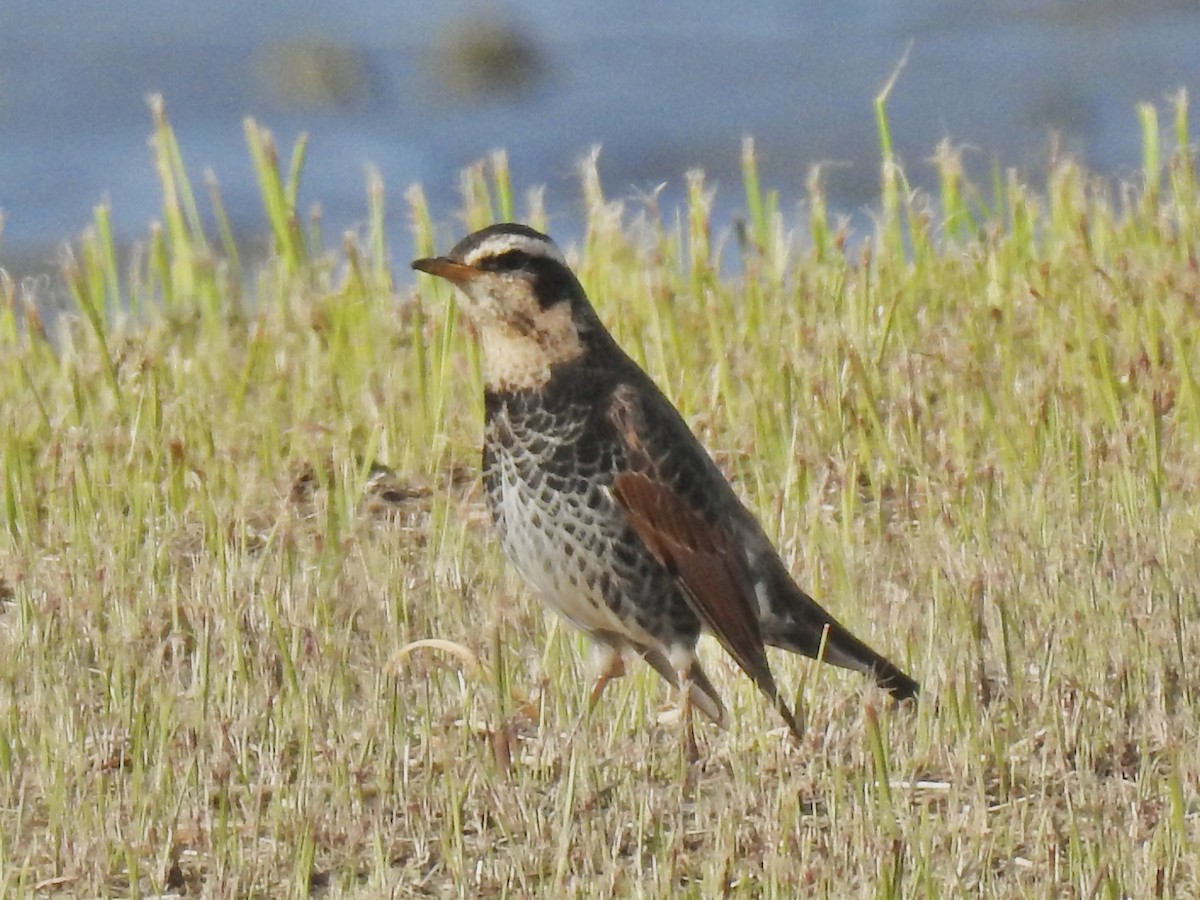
column 605, row 501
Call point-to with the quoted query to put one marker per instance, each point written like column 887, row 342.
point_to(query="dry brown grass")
column 980, row 447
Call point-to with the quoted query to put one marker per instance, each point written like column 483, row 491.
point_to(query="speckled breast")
column 547, row 469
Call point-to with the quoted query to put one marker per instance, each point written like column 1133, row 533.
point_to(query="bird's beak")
column 443, row 267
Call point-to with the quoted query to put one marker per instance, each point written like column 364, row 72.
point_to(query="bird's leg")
column 609, row 665
column 691, row 751
column 612, row 665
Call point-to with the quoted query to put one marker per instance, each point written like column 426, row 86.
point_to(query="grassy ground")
column 975, row 434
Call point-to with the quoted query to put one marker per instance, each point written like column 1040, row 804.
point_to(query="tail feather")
column 799, row 624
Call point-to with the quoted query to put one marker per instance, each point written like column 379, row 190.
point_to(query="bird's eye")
column 509, row 261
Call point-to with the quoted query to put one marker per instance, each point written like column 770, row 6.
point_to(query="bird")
column 607, row 504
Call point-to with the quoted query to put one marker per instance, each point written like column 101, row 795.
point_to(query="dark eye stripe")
column 509, row 261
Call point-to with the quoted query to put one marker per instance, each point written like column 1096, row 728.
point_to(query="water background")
column 663, row 87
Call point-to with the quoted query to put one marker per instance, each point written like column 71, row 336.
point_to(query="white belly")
column 555, row 561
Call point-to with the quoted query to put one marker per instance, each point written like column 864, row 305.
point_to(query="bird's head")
column 529, row 309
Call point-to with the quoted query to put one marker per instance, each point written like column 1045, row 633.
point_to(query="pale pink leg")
column 611, row 666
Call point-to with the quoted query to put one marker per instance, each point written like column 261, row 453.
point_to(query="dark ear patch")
column 552, row 282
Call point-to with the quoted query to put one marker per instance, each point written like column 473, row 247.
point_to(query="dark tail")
column 800, row 624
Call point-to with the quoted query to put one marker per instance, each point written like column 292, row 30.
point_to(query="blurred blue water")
column 663, row 87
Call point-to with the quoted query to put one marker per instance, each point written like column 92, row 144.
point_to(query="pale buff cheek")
column 511, row 360
column 516, row 359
